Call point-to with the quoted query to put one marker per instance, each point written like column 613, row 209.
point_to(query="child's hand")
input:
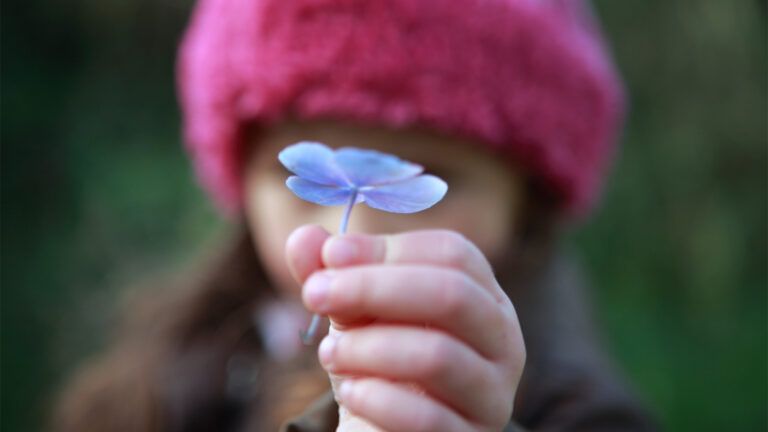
column 423, row 338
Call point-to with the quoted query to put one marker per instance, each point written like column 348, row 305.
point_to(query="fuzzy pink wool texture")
column 530, row 79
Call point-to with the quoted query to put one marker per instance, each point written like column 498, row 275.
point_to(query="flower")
column 350, row 175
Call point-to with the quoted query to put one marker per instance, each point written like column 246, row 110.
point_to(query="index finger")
column 442, row 248
column 302, row 251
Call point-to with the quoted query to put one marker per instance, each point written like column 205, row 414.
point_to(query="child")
column 463, row 317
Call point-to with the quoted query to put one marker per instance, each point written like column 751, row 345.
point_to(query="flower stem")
column 308, row 337
column 347, row 213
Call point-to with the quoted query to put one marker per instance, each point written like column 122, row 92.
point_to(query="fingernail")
column 316, row 290
column 345, row 390
column 340, row 251
column 326, row 350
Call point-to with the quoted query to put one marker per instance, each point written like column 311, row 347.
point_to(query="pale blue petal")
column 317, row 193
column 369, row 167
column 409, row 196
column 314, row 162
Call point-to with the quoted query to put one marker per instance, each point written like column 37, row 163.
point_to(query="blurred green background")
column 97, row 193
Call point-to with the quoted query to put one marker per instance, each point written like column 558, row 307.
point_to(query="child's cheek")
column 272, row 214
column 489, row 229
column 271, row 251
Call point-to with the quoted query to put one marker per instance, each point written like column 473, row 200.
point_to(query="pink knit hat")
column 528, row 78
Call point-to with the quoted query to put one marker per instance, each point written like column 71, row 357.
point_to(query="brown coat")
column 192, row 361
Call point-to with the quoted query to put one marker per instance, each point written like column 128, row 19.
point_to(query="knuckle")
column 516, row 343
column 437, row 361
column 501, row 406
column 518, row 366
column 512, row 363
column 498, row 405
column 353, row 396
column 456, row 249
column 522, row 352
column 453, row 293
column 502, row 414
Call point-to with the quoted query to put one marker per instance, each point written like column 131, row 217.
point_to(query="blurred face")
column 482, row 201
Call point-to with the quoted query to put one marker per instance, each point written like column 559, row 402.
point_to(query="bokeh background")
column 97, row 194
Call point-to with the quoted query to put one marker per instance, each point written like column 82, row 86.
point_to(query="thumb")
column 303, row 251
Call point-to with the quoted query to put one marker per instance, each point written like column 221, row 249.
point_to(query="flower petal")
column 318, row 193
column 370, row 168
column 314, row 162
column 409, row 196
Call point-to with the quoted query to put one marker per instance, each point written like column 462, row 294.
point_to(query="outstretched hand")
column 422, row 336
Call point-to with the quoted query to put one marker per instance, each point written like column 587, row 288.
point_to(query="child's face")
column 482, row 202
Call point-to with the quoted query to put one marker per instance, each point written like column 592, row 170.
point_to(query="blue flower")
column 350, row 176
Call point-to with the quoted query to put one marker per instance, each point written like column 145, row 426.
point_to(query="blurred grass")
column 678, row 252
column 96, row 192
